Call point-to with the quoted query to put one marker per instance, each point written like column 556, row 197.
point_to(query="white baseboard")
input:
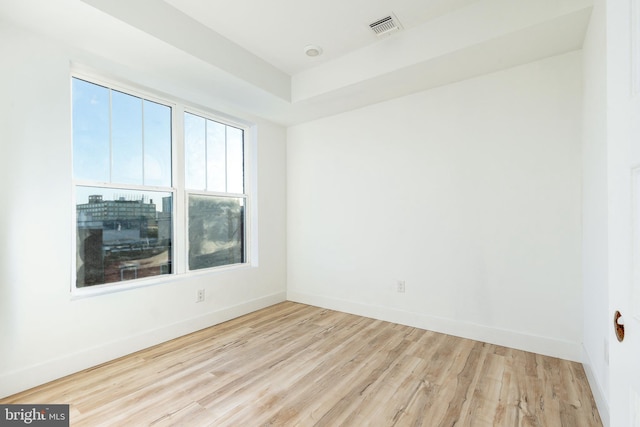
column 547, row 346
column 596, row 389
column 32, row 376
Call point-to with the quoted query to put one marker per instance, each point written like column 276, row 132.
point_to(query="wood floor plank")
column 297, row 365
column 485, row 406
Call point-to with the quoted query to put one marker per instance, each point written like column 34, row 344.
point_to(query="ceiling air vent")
column 385, row 25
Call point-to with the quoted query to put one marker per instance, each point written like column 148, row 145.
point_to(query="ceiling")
column 246, row 57
column 278, row 30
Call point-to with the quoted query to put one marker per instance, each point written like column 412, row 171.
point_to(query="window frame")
column 180, row 195
column 209, row 193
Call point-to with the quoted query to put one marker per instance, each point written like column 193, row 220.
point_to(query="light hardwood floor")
column 297, row 365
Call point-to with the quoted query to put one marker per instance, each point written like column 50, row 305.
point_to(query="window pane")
column 216, row 156
column 235, row 160
column 157, row 144
column 216, row 231
column 91, row 154
column 122, row 234
column 126, row 138
column 194, row 152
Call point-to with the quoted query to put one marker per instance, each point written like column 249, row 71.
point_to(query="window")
column 126, row 194
column 214, row 157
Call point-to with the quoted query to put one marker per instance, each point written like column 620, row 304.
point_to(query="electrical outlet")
column 400, row 286
column 200, row 296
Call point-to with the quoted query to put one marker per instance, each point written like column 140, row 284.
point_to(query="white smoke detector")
column 386, row 25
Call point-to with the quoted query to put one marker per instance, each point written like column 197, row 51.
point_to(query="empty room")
column 334, row 213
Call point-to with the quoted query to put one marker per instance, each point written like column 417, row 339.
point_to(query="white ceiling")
column 246, row 56
column 278, row 30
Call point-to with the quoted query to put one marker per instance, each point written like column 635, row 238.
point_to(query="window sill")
column 109, row 288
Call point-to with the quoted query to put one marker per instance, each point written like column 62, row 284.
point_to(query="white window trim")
column 180, row 270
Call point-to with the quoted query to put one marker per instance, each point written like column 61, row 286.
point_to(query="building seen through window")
column 126, row 236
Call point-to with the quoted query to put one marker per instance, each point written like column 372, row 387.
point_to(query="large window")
column 214, row 157
column 127, row 194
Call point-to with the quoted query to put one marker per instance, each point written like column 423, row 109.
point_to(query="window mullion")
column 226, row 159
column 142, row 141
column 206, row 154
column 110, row 135
column 178, row 180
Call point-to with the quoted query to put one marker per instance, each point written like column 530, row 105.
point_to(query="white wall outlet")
column 200, row 296
column 400, row 286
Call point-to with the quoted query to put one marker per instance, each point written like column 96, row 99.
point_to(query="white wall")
column 471, row 193
column 595, row 247
column 44, row 334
